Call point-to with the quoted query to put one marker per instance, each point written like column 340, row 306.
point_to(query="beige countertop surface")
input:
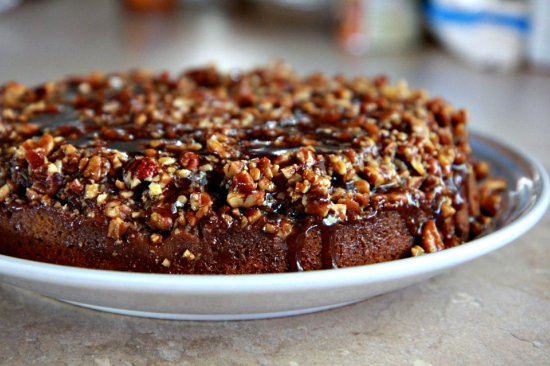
column 492, row 311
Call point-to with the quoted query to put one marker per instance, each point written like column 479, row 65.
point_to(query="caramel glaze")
column 80, row 120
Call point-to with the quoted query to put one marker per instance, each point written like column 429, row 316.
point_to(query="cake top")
column 166, row 151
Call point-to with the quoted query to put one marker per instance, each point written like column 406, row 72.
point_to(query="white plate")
column 206, row 297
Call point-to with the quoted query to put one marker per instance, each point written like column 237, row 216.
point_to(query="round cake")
column 254, row 171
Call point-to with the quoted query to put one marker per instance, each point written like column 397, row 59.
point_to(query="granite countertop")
column 492, row 311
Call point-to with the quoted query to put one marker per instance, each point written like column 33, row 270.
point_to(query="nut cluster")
column 154, row 153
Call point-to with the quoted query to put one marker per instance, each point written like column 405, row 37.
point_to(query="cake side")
column 52, row 236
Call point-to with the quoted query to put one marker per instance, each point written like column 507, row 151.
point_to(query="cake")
column 256, row 171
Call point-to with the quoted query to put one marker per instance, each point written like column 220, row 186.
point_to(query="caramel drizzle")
column 296, row 241
column 83, row 134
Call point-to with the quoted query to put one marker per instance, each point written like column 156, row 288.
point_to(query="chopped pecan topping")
column 266, row 146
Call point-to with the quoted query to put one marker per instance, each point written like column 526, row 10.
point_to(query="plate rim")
column 62, row 275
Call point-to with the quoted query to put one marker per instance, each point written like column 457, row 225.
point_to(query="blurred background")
column 490, row 56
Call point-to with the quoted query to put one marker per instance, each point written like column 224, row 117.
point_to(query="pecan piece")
column 138, row 170
column 160, row 221
column 117, row 228
column 246, row 200
column 431, row 239
column 93, row 169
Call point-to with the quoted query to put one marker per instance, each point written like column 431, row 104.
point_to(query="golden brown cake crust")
column 242, row 172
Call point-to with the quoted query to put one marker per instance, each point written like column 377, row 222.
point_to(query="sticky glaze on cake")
column 242, row 172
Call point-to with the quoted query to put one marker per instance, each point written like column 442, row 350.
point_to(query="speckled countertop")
column 492, row 311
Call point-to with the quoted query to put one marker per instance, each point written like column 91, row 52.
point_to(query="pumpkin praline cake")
column 254, row 171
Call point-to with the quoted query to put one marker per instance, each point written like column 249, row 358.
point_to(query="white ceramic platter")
column 206, row 297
